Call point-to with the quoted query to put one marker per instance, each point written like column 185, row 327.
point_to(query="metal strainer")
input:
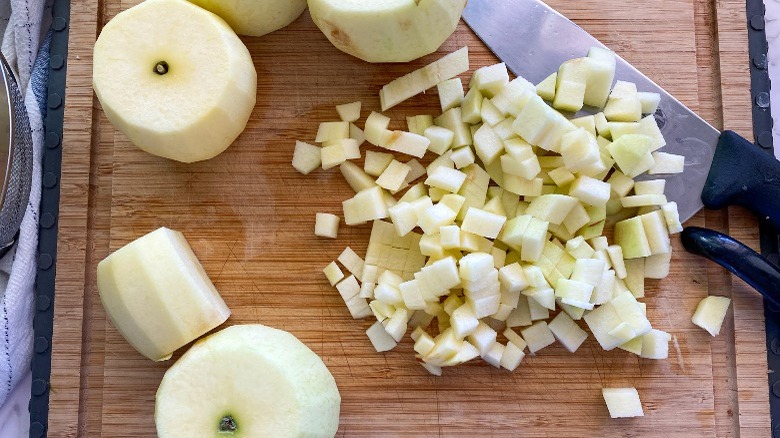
column 16, row 157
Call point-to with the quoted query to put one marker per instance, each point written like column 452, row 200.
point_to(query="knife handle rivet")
column 776, row 432
column 56, row 62
column 59, row 24
column 762, row 99
column 47, row 220
column 37, row 430
column 757, row 22
column 45, row 261
column 52, row 140
column 41, row 344
column 39, row 387
column 760, row 61
column 775, row 346
column 54, row 101
column 765, row 140
column 49, row 180
column 43, row 303
column 776, row 389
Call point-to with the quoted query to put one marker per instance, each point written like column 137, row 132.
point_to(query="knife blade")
column 548, row 39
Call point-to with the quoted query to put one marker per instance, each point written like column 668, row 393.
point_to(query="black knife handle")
column 742, row 174
column 737, row 258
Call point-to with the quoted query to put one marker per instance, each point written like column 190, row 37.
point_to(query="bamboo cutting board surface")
column 249, row 217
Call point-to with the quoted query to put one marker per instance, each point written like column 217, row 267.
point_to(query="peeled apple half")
column 248, row 381
column 157, row 294
column 387, row 30
column 175, row 79
column 255, row 17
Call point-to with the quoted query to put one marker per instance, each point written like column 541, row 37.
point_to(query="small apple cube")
column 649, row 101
column 655, row 345
column 463, row 157
column 656, row 232
column 490, row 114
column 331, row 131
column 579, row 248
column 326, row 225
column 440, row 138
column 394, row 176
column 483, row 337
column 487, row 144
column 352, row 262
column 574, row 293
column 601, row 73
column 471, row 108
column 623, row 104
column 630, row 236
column 632, row 154
column 605, row 289
column 570, row 86
column 672, row 217
column 483, row 223
column 491, row 79
column 513, row 97
column 622, row 402
column 534, row 121
column 356, row 177
column 710, row 313
column 447, row 179
column 615, row 253
column 379, row 338
column 657, row 266
column 406, row 143
column 512, row 278
column 463, row 321
column 494, row 354
column 306, row 157
column 376, row 128
column 332, row 156
column 667, row 163
column 552, row 208
column 602, row 125
column 366, row 205
column 376, row 162
column 567, row 332
column 587, row 123
column 579, row 150
column 635, row 276
column 450, row 93
column 538, row 336
column 349, row 112
column 546, row 88
column 511, row 357
column 333, row 273
column 590, row 191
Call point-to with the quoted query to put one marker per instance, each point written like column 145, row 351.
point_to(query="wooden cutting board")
column 249, row 217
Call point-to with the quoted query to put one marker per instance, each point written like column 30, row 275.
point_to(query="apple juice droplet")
column 161, row 68
column 227, row 425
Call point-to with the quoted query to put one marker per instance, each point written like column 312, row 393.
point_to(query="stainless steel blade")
column 533, row 40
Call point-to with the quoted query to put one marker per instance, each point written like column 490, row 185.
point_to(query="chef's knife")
column 720, row 169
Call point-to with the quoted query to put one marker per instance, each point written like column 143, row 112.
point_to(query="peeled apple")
column 255, row 17
column 387, row 30
column 157, row 294
column 175, row 79
column 248, row 381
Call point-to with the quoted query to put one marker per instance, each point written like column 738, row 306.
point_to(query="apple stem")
column 161, row 68
column 228, row 424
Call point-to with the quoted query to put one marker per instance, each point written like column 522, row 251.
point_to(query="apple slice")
column 157, row 294
column 185, row 105
column 710, row 313
column 622, row 402
column 248, row 380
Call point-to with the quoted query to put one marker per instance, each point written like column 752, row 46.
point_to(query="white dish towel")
column 23, row 24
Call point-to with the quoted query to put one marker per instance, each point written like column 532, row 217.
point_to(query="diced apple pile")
column 474, row 254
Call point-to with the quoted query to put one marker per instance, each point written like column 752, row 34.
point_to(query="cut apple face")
column 387, row 30
column 168, row 98
column 248, row 381
column 157, row 294
column 255, row 18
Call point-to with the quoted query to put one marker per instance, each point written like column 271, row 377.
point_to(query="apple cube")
column 567, row 332
column 534, row 121
column 538, row 336
column 349, row 112
column 440, row 139
column 650, row 187
column 602, row 126
column 491, row 79
column 418, row 124
column 667, row 163
column 330, row 131
column 471, row 108
column 376, row 162
column 357, row 134
column 326, row 225
column 513, row 97
column 365, row 206
column 657, row 266
column 671, row 217
column 450, row 93
column 655, row 345
column 379, row 338
column 579, row 248
column 623, row 104
column 333, row 273
column 561, row 176
column 423, row 343
column 544, row 296
column 635, row 276
column 601, row 73
column 552, row 208
column 603, row 292
column 590, row 191
column 546, row 88
column 394, row 176
column 483, row 223
column 615, row 253
column 376, row 131
column 521, row 315
column 463, row 321
column 649, row 102
column 352, row 262
column 587, row 123
column 483, row 337
column 622, row 402
column 710, row 313
column 465, row 353
column 412, row 295
column 306, row 157
column 356, row 177
column 589, row 271
column 490, row 114
column 447, row 179
column 570, row 85
column 493, row 356
column 511, row 357
column 656, row 232
column 463, row 157
column 574, row 293
column 630, row 236
column 332, row 156
column 406, row 143
column 632, row 154
column 512, row 278
column 487, row 144
column 579, row 150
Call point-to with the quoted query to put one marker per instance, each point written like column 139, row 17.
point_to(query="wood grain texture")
column 249, row 217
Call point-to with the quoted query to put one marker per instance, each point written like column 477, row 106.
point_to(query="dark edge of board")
column 43, row 321
column 760, row 85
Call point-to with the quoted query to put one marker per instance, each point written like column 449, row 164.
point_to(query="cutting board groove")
column 249, row 217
